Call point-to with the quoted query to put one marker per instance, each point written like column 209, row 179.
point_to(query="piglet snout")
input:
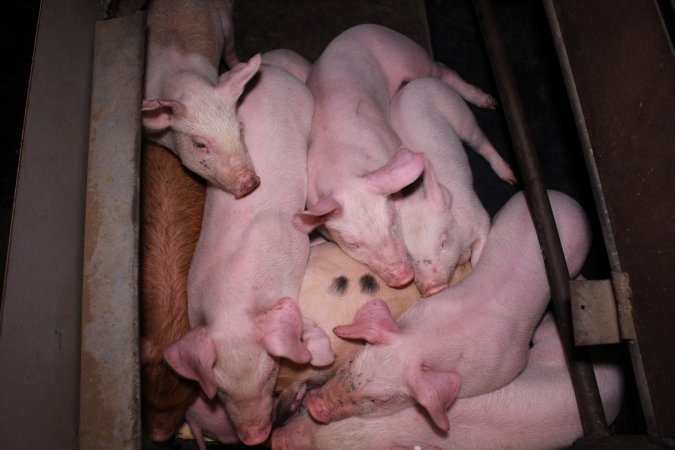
column 254, row 435
column 399, row 276
column 245, row 184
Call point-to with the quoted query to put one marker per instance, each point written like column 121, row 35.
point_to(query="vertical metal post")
column 578, row 360
column 618, row 278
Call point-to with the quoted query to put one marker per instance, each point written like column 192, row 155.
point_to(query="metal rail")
column 578, row 360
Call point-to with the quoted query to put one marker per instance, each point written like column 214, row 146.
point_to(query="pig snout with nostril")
column 398, row 277
column 254, row 435
column 245, row 183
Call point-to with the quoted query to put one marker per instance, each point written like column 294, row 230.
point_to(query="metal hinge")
column 601, row 310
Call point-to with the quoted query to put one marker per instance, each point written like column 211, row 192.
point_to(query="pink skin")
column 288, row 60
column 297, row 434
column 537, row 410
column 444, row 223
column 248, row 266
column 208, row 418
column 354, row 162
column 188, row 107
column 433, row 354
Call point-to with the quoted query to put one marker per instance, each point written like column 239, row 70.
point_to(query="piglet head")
column 361, row 218
column 381, row 378
column 429, row 229
column 206, row 133
column 236, row 372
column 240, row 366
column 349, row 392
column 278, row 332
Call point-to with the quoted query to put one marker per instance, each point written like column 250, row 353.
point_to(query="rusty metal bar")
column 581, row 370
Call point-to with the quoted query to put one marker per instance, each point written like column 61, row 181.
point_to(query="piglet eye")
column 199, row 145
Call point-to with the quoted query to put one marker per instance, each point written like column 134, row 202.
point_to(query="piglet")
column 536, row 411
column 467, row 340
column 355, row 160
column 443, row 222
column 172, row 202
column 246, row 272
column 188, row 107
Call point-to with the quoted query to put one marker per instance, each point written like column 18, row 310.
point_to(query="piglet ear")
column 435, row 193
column 318, row 343
column 373, row 323
column 159, row 114
column 477, row 250
column 317, row 215
column 232, row 83
column 193, row 357
column 280, row 331
column 404, row 168
column 435, row 390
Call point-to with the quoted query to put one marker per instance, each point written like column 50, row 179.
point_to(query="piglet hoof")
column 490, row 102
column 399, row 277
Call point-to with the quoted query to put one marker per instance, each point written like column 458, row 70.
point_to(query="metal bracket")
column 601, row 310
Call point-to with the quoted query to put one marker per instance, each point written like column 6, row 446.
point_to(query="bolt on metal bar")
column 578, row 360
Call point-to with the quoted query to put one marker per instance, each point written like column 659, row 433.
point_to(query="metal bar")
column 578, row 360
column 618, row 277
